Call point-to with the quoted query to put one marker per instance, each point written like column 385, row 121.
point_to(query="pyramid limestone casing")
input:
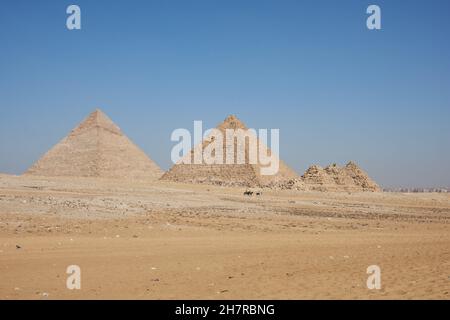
column 246, row 174
column 96, row 148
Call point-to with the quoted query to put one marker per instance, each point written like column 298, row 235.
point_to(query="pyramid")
column 245, row 174
column 96, row 148
column 316, row 178
column 350, row 178
column 341, row 178
column 360, row 178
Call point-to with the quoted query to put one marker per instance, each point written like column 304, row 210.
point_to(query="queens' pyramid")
column 245, row 174
column 350, row 178
column 96, row 148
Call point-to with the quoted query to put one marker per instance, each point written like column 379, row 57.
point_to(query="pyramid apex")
column 231, row 117
column 314, row 168
column 351, row 164
column 97, row 119
column 232, row 122
column 98, row 113
column 97, row 110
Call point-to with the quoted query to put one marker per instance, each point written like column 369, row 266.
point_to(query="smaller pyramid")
column 350, row 178
column 96, row 148
column 245, row 174
column 360, row 178
column 340, row 177
column 318, row 179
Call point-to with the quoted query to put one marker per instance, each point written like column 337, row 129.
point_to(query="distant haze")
column 336, row 90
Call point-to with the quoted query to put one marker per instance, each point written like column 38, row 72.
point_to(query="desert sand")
column 166, row 240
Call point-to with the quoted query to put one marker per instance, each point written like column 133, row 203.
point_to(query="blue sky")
column 336, row 90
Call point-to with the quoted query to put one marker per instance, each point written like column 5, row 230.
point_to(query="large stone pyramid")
column 246, row 174
column 96, row 148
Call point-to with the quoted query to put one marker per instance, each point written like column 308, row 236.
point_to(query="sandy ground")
column 136, row 240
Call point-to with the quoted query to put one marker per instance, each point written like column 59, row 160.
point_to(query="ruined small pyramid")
column 245, row 174
column 350, row 178
column 341, row 177
column 360, row 178
column 96, row 148
column 318, row 179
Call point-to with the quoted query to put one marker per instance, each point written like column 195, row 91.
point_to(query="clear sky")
column 336, row 90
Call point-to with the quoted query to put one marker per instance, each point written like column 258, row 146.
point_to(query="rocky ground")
column 167, row 240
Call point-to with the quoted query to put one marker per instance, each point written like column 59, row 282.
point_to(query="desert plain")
column 166, row 240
